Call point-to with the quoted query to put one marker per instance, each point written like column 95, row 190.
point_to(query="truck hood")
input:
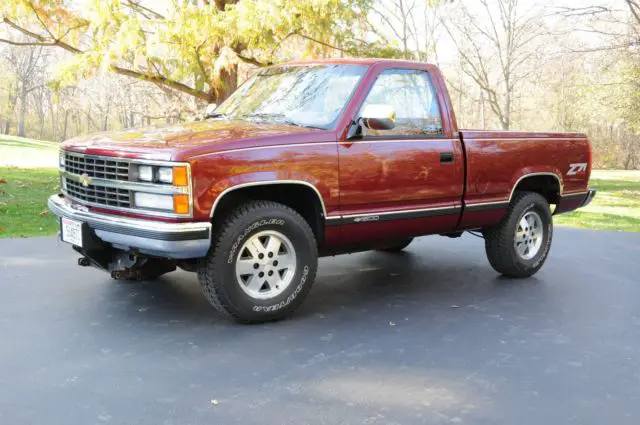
column 183, row 141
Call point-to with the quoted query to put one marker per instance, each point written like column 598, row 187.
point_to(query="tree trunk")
column 54, row 119
column 105, row 123
column 40, row 137
column 64, row 127
column 229, row 84
column 23, row 109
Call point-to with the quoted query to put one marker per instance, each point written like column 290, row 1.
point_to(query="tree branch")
column 26, row 43
column 252, row 61
column 140, row 9
column 43, row 41
column 322, row 43
column 159, row 79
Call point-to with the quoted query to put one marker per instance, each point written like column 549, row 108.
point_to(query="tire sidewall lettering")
column 248, row 230
column 290, row 298
column 547, row 247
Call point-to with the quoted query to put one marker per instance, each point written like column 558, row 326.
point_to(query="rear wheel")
column 398, row 246
column 519, row 245
column 262, row 263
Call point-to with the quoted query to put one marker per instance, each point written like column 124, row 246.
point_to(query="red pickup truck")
column 308, row 159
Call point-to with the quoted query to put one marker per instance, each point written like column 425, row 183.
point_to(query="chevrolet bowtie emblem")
column 85, row 179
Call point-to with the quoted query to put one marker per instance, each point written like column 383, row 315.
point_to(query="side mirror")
column 379, row 117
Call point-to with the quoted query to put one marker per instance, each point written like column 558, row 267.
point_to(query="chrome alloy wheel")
column 266, row 264
column 529, row 235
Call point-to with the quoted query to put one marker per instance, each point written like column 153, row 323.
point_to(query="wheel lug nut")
column 271, row 255
column 261, row 274
column 261, row 256
column 275, row 263
column 256, row 265
column 271, row 273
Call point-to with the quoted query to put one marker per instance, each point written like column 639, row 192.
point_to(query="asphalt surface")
column 431, row 336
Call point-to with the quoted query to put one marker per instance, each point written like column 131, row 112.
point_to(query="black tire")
column 217, row 275
column 397, row 246
column 500, row 243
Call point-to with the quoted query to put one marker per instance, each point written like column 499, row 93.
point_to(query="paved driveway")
column 432, row 336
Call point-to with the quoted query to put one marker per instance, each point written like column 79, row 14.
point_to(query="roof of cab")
column 351, row 61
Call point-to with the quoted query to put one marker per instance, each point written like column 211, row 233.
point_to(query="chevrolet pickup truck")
column 310, row 159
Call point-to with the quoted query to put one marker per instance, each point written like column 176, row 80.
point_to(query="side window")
column 411, row 95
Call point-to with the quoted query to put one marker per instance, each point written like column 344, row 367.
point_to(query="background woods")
column 73, row 67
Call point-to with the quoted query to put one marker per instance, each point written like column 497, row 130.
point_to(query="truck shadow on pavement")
column 369, row 283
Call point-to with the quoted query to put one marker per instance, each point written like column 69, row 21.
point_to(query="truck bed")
column 497, row 159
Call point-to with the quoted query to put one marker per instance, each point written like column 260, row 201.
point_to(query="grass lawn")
column 615, row 207
column 23, row 201
column 27, row 153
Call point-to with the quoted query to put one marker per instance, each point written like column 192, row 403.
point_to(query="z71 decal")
column 577, row 168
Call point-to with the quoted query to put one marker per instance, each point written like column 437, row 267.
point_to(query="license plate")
column 72, row 232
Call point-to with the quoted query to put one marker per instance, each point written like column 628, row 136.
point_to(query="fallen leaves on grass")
column 1, row 229
column 44, row 212
column 2, row 181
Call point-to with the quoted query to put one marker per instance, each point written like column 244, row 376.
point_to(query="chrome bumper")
column 170, row 240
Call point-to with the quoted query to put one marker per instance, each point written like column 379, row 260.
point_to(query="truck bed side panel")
column 498, row 161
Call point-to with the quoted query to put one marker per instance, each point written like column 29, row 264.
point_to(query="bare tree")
column 497, row 43
column 29, row 67
column 413, row 24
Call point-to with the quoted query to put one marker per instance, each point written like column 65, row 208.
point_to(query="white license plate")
column 72, row 232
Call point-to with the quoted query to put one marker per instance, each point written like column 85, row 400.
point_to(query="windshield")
column 308, row 96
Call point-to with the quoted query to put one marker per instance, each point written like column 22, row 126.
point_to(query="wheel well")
column 546, row 185
column 301, row 198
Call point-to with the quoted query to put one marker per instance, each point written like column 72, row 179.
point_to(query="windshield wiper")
column 279, row 118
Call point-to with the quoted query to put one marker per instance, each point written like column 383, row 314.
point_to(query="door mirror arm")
column 355, row 129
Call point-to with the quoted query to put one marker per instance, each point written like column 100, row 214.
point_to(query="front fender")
column 312, row 165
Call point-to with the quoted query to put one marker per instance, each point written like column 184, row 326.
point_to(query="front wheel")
column 518, row 246
column 262, row 263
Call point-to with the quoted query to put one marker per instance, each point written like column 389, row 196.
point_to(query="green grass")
column 23, row 201
column 615, row 207
column 27, row 153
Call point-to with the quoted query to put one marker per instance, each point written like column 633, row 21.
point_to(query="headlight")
column 153, row 201
column 145, row 173
column 61, row 158
column 165, row 174
column 178, row 176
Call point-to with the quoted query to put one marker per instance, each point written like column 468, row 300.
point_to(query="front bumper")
column 170, row 240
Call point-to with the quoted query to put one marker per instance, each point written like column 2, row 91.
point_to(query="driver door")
column 412, row 174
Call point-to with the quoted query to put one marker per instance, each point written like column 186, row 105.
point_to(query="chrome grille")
column 100, row 195
column 96, row 167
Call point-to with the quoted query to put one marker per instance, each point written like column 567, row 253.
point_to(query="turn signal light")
column 181, row 203
column 180, row 176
